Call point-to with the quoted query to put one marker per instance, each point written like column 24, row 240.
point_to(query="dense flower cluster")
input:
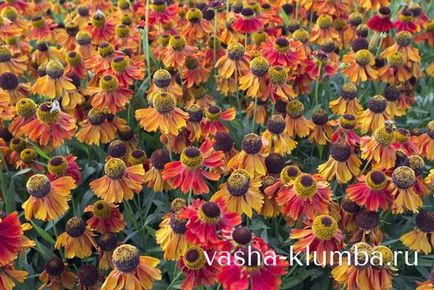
column 267, row 123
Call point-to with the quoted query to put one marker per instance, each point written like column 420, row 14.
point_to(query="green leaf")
column 43, row 234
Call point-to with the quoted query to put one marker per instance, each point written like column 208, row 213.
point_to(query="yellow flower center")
column 158, row 6
column 137, row 156
column 162, row 78
column 305, row 186
column 238, row 182
column 109, row 83
column 122, row 31
column 363, row 250
column 289, row 174
column 259, row 66
column 281, row 45
column 363, row 57
column 194, row 15
column 17, row 144
column 430, row 26
column 126, row 258
column 98, row 19
column 106, row 49
column 416, row 163
column 96, row 117
column 295, row 109
column 75, row 227
column 324, row 227
column 83, row 38
column 324, row 21
column 385, row 253
column 347, row 121
column 5, row 54
column 26, row 108
column 177, row 42
column 38, row 22
column 278, row 75
column 384, row 136
column 430, row 129
column 402, row 135
column 120, row 64
column 10, row 13
column 191, row 157
column 213, row 113
column 404, row 177
column 301, row 35
column 164, row 103
column 376, row 180
column 259, row 37
column 72, row 29
column 404, row 38
column 101, row 209
column 74, row 58
column 235, row 51
column 194, row 258
column 57, row 165
column 38, row 185
column 396, row 59
column 45, row 115
column 177, row 204
column 54, row 69
column 115, row 168
column 28, row 155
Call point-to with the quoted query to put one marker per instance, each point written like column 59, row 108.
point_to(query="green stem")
column 255, row 108
column 190, row 192
column 296, row 9
column 174, row 280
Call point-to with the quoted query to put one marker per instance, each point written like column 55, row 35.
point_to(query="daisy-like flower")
column 417, row 163
column 323, row 29
column 255, row 81
column 270, row 208
column 119, row 181
column 9, row 276
column 102, row 28
column 48, row 199
column 284, row 183
column 379, row 148
column 254, row 273
column 278, row 86
column 196, row 27
column 284, row 52
column 89, row 277
column 171, row 236
column 405, row 21
column 421, row 238
column 75, row 64
column 131, row 271
column 110, row 95
column 106, row 217
column 230, row 66
column 402, row 190
column 126, row 70
column 195, row 72
column 427, row 35
column 153, row 176
column 397, row 105
column 205, row 219
column 197, row 271
column 26, row 112
column 189, row 174
column 241, row 193
column 163, row 115
column 96, row 129
column 214, row 115
column 342, row 164
column 77, row 240
column 162, row 12
column 278, row 140
column 425, row 142
column 59, row 166
column 9, row 63
column 309, row 195
column 251, row 157
column 51, row 127
column 322, row 235
column 403, row 45
column 323, row 129
column 56, row 275
column 395, row 71
column 54, row 84
column 296, row 123
column 9, row 82
column 42, row 28
column 247, row 22
column 107, row 243
column 347, row 103
column 11, row 233
column 371, row 276
column 371, row 191
column 360, row 66
column 381, row 21
column 375, row 115
column 175, row 54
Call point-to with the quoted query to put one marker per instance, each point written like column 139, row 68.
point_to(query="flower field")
column 221, row 144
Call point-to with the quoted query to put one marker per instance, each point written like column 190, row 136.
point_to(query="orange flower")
column 296, row 123
column 54, row 84
column 153, row 177
column 323, row 129
column 421, row 238
column 175, row 54
column 126, row 70
column 171, row 237
column 278, row 140
column 195, row 73
column 348, row 102
column 102, row 28
column 254, row 81
column 8, row 63
column 9, row 276
column 56, row 275
column 212, row 123
column 96, row 129
column 196, row 27
column 10, row 84
column 360, row 66
column 119, row 181
column 323, row 30
column 48, row 199
column 105, row 218
column 163, row 115
column 425, row 142
column 110, row 95
column 77, row 240
column 11, row 235
column 402, row 190
column 374, row 116
column 379, row 148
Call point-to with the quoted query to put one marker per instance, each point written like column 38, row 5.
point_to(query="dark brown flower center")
column 340, row 152
column 211, row 209
column 242, row 235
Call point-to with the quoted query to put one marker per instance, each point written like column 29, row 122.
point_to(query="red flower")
column 247, row 22
column 205, row 219
column 189, row 174
column 381, row 22
column 10, row 237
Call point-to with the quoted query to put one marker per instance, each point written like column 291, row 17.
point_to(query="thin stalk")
column 190, row 192
column 255, row 108
column 296, row 9
column 174, row 280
